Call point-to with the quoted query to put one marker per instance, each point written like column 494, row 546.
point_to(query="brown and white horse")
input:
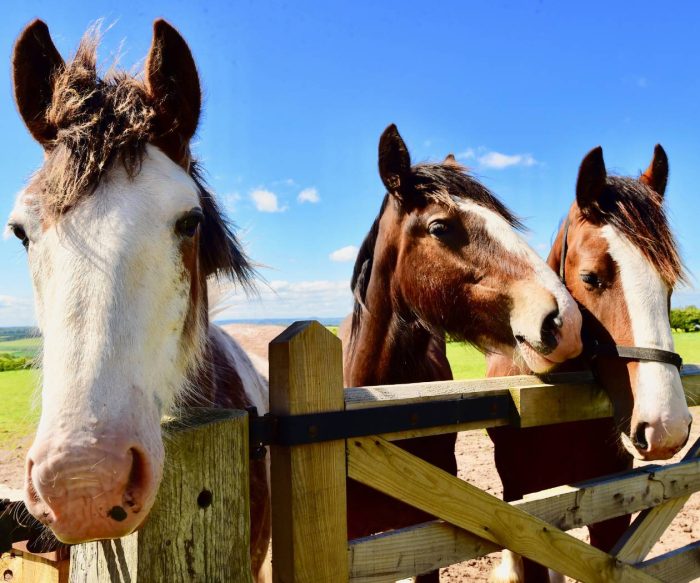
column 121, row 236
column 618, row 258
column 443, row 257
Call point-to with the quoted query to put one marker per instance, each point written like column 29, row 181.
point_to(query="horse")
column 617, row 256
column 121, row 235
column 443, row 257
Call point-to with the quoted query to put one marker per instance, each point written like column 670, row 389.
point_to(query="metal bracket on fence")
column 317, row 427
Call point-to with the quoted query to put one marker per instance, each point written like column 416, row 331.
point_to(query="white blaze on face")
column 535, row 297
column 659, row 396
column 112, row 293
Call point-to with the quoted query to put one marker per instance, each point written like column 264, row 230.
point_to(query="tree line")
column 12, row 362
column 686, row 319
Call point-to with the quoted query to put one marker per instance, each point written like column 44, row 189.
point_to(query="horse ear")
column 591, row 178
column 172, row 84
column 394, row 160
column 450, row 160
column 35, row 61
column 656, row 176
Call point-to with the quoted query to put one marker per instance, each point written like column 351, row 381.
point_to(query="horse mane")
column 102, row 121
column 220, row 251
column 637, row 211
column 435, row 182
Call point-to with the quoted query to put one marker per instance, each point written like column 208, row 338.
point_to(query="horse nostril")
column 519, row 338
column 551, row 324
column 553, row 320
column 640, row 438
column 137, row 484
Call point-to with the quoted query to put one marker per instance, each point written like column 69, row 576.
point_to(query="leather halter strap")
column 615, row 350
column 637, row 353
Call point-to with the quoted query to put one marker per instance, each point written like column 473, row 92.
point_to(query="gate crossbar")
column 381, row 465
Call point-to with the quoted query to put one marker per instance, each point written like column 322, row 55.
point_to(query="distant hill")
column 18, row 333
column 19, row 347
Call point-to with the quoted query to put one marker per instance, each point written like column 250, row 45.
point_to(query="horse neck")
column 390, row 348
column 216, row 381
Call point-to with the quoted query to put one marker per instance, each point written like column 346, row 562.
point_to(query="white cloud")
column 16, row 311
column 495, row 160
column 309, row 195
column 285, row 299
column 468, row 154
column 266, row 201
column 499, row 161
column 344, row 254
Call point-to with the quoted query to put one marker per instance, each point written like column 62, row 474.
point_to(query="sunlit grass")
column 28, row 347
column 18, row 418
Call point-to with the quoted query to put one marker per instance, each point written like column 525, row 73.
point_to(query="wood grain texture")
column 184, row 539
column 650, row 524
column 389, row 469
column 309, row 523
column 21, row 566
column 436, row 544
column 403, row 553
column 12, row 562
column 555, row 398
column 677, row 566
column 545, row 404
column 386, row 395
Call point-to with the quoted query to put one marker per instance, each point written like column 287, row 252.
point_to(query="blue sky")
column 297, row 94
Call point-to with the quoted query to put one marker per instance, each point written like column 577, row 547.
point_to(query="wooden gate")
column 198, row 529
column 308, row 482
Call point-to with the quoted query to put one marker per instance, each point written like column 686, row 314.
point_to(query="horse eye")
column 187, row 225
column 438, row 229
column 591, row 279
column 21, row 234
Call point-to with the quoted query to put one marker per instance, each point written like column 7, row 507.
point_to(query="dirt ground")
column 475, row 461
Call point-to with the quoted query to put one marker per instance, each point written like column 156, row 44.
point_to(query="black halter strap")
column 596, row 349
column 637, row 353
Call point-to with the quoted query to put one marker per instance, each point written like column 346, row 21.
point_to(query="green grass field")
column 18, row 418
column 467, row 362
column 688, row 346
column 23, row 347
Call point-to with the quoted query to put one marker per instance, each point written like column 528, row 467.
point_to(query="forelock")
column 637, row 212
column 99, row 121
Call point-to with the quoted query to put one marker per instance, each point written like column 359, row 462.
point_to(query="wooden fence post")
column 199, row 527
column 309, row 522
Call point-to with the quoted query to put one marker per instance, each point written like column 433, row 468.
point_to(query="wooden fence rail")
column 305, row 379
column 198, row 529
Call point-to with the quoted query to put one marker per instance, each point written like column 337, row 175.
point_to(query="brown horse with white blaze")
column 619, row 260
column 121, row 235
column 443, row 257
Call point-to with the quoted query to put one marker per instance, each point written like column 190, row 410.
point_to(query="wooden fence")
column 198, row 529
column 308, row 482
